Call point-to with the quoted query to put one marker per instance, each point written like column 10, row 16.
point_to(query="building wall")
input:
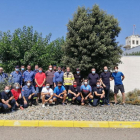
column 130, row 51
column 131, row 69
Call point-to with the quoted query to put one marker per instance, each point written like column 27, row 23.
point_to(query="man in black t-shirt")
column 78, row 77
column 7, row 99
column 74, row 93
column 105, row 78
column 99, row 95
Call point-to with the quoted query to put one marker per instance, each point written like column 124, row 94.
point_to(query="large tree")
column 91, row 40
column 26, row 46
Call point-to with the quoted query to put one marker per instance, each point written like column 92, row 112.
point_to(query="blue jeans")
column 97, row 100
column 38, row 89
column 12, row 103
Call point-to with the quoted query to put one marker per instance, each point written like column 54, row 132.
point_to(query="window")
column 137, row 42
column 133, row 41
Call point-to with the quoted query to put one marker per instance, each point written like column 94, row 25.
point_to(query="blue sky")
column 51, row 16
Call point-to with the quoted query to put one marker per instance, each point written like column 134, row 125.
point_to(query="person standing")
column 40, row 79
column 54, row 68
column 36, row 69
column 118, row 78
column 105, row 78
column 78, row 77
column 68, row 79
column 93, row 77
column 58, row 76
column 16, row 77
column 22, row 71
column 28, row 75
column 49, row 76
column 3, row 75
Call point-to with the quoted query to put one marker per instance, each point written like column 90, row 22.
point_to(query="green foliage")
column 25, row 47
column 133, row 97
column 133, row 54
column 91, row 40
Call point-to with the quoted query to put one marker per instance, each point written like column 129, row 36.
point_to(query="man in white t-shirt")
column 47, row 95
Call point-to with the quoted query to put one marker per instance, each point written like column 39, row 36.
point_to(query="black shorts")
column 117, row 88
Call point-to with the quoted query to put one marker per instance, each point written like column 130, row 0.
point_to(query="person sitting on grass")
column 29, row 95
column 74, row 93
column 60, row 93
column 16, row 91
column 99, row 95
column 86, row 93
column 47, row 95
column 8, row 100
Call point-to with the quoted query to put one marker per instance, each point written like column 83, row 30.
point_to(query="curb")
column 50, row 123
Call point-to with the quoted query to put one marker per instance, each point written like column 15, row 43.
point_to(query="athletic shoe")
column 63, row 104
column 21, row 108
column 123, row 104
column 43, row 105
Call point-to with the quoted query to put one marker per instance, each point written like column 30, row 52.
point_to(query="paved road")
column 28, row 133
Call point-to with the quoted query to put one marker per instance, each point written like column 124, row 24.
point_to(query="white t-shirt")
column 49, row 91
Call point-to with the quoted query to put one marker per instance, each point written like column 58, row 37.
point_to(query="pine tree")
column 91, row 40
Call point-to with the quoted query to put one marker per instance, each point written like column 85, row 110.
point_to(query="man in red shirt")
column 40, row 79
column 16, row 91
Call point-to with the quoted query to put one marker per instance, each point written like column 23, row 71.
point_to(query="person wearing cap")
column 86, row 93
column 68, row 79
column 40, row 79
column 7, row 99
column 105, row 78
column 49, row 76
column 118, row 77
column 74, row 93
column 99, row 95
column 29, row 95
column 58, row 76
column 3, row 75
column 28, row 74
column 78, row 77
column 16, row 76
column 93, row 77
column 54, row 68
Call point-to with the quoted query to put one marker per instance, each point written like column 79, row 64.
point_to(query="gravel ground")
column 75, row 112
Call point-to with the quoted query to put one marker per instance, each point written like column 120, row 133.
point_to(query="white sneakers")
column 43, row 105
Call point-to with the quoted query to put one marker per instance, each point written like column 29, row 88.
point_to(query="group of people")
column 58, row 85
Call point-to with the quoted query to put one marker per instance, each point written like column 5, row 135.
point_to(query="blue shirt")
column 28, row 75
column 85, row 90
column 3, row 76
column 36, row 71
column 58, row 77
column 57, row 91
column 16, row 77
column 26, row 92
column 117, row 77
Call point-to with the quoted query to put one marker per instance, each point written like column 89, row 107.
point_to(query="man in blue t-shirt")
column 86, row 92
column 118, row 78
column 60, row 93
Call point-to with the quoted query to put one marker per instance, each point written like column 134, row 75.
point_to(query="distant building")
column 132, row 41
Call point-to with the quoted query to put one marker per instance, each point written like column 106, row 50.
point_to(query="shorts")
column 58, row 98
column 117, row 88
column 38, row 89
column 46, row 98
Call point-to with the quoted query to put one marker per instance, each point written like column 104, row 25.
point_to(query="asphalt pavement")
column 53, row 133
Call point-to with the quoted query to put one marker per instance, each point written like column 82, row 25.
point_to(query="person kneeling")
column 47, row 95
column 60, row 93
column 16, row 91
column 28, row 94
column 86, row 93
column 7, row 98
column 74, row 93
column 99, row 95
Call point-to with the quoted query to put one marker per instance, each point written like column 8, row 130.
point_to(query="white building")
column 132, row 41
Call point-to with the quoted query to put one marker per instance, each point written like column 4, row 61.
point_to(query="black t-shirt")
column 98, row 90
column 75, row 90
column 6, row 96
column 106, row 78
column 93, row 79
column 78, row 79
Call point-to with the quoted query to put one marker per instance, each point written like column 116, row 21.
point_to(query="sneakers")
column 123, row 104
column 21, row 108
column 48, row 105
column 43, row 105
column 63, row 104
column 115, row 104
